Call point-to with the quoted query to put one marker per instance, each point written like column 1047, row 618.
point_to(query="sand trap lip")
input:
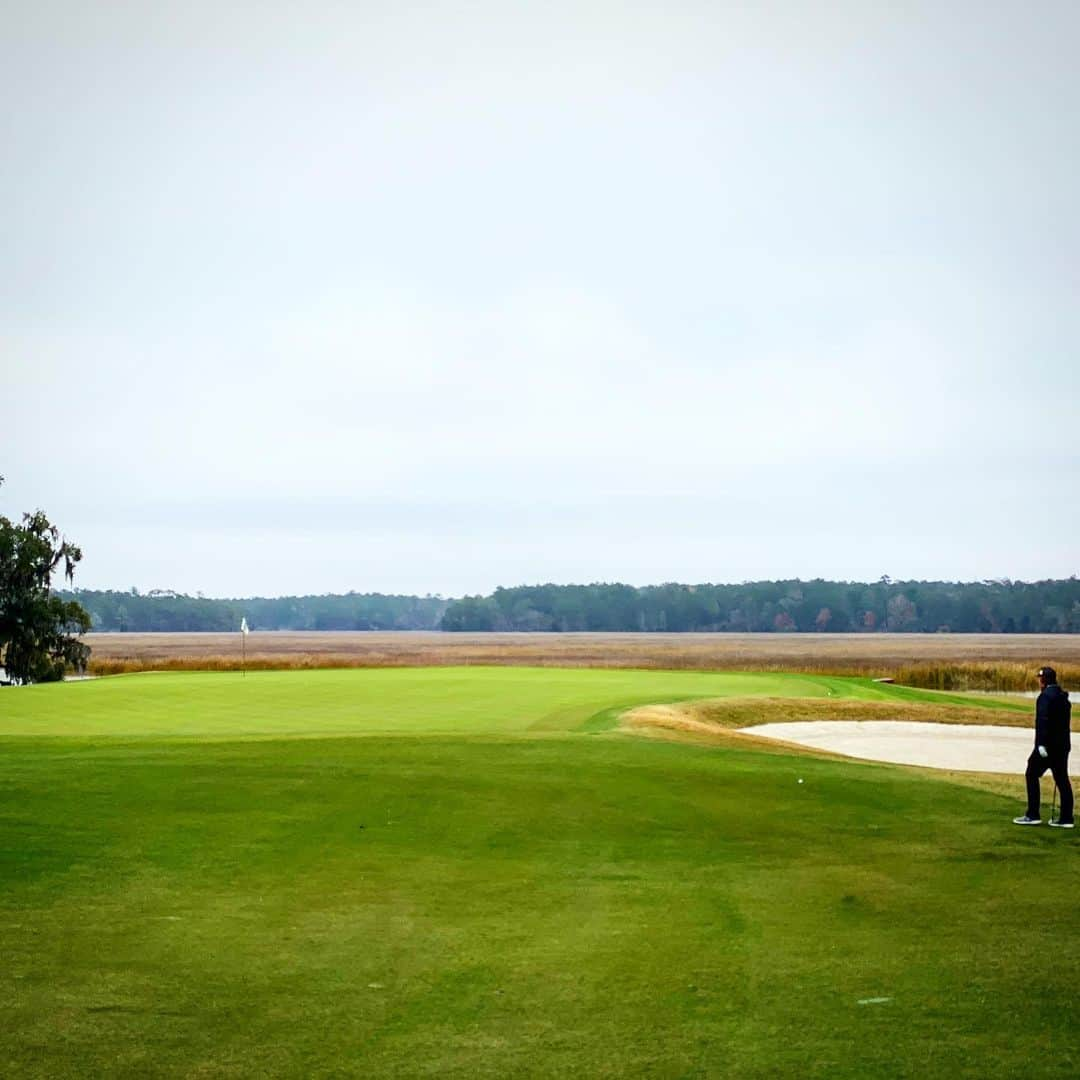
column 968, row 747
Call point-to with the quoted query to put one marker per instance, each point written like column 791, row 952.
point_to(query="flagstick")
column 243, row 655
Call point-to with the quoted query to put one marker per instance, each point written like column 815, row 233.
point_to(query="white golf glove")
column 1042, row 751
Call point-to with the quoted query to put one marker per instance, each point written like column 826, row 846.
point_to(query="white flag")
column 244, row 627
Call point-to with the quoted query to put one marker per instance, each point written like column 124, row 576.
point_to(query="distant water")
column 67, row 678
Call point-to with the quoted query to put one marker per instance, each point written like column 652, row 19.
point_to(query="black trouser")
column 1058, row 764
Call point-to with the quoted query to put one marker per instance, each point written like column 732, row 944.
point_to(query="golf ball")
column 800, row 779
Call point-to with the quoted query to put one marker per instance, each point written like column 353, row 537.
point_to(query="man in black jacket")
column 1052, row 746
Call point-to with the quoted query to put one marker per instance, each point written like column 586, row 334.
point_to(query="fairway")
column 462, row 701
column 496, row 880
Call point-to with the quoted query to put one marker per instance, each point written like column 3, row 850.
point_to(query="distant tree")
column 470, row 613
column 903, row 615
column 784, row 622
column 38, row 629
column 821, row 622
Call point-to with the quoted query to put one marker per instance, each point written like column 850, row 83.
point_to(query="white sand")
column 971, row 747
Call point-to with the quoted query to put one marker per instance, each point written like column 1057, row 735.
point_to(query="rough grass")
column 995, row 662
column 734, row 713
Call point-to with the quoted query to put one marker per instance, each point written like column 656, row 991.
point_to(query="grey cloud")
column 539, row 291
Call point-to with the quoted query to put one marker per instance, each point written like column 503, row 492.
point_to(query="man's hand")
column 1042, row 752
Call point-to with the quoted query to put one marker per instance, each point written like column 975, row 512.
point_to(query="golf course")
column 488, row 871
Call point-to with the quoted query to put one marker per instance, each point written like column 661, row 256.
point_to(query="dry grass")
column 936, row 661
column 1008, row 675
column 710, row 722
column 727, row 714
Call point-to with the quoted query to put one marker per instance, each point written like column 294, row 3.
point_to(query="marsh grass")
column 1003, row 677
column 991, row 662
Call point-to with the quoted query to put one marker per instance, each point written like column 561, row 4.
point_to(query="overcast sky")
column 436, row 297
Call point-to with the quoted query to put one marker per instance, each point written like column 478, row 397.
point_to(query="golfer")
column 1052, row 746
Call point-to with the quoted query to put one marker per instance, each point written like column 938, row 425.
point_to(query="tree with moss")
column 38, row 630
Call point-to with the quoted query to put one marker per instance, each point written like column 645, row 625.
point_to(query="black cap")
column 1047, row 673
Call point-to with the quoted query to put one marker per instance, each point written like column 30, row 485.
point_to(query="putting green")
column 442, row 700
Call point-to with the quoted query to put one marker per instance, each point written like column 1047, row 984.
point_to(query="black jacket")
column 1052, row 712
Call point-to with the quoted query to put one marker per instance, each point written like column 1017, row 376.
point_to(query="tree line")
column 161, row 610
column 762, row 606
column 1011, row 607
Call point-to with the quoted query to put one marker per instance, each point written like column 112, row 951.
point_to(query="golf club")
column 1053, row 804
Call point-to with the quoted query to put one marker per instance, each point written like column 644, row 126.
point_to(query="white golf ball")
column 800, row 779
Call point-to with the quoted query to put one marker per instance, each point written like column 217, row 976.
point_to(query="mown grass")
column 494, row 881
column 470, row 700
column 491, row 906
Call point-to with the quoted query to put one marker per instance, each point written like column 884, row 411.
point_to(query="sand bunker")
column 971, row 747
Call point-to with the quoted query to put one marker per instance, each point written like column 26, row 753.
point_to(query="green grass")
column 463, row 700
column 519, row 897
